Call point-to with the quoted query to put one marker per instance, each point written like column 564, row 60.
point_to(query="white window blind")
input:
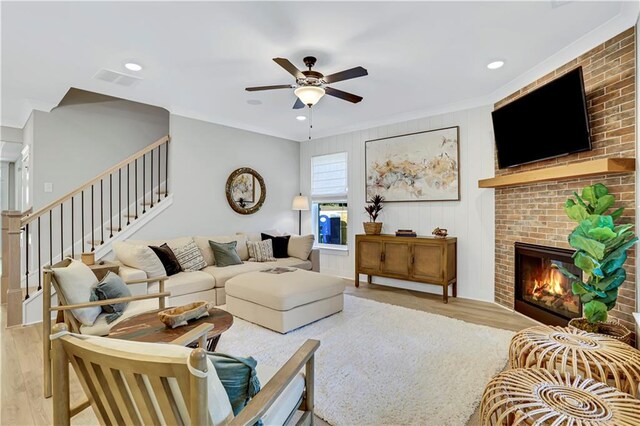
column 329, row 175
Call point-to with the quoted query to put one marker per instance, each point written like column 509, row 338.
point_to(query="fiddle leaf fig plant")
column 601, row 250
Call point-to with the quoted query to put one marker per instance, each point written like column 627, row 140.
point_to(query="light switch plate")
column 48, row 187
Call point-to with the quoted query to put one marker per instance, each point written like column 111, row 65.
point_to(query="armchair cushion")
column 76, row 282
column 238, row 376
column 287, row 402
column 111, row 287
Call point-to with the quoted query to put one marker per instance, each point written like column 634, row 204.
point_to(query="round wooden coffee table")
column 147, row 327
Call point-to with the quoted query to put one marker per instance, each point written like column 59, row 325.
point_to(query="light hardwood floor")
column 22, row 403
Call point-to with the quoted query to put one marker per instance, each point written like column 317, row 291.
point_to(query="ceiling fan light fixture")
column 309, row 95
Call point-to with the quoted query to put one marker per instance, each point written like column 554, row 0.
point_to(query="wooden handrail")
column 30, row 218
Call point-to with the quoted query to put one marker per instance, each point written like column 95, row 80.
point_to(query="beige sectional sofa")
column 209, row 283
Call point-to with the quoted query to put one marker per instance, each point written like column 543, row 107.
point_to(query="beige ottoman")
column 284, row 302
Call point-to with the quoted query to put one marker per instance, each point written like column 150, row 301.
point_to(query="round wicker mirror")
column 245, row 190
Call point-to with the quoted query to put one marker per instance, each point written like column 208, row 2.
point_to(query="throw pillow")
column 300, row 246
column 76, row 282
column 280, row 244
column 261, row 251
column 189, row 257
column 111, row 287
column 238, row 377
column 225, row 253
column 139, row 257
column 168, row 259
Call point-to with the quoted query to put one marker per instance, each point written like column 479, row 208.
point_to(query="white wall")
column 471, row 220
column 202, row 155
column 87, row 134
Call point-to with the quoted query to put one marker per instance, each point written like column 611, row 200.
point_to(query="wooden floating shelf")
column 601, row 166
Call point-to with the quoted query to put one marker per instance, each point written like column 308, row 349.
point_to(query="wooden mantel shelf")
column 601, row 166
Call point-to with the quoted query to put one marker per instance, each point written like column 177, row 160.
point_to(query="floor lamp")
column 300, row 203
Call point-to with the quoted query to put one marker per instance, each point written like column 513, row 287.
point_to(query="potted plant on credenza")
column 373, row 209
column 601, row 251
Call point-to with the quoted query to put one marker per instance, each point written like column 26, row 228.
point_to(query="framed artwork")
column 421, row 166
column 242, row 188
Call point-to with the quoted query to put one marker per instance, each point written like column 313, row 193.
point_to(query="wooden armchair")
column 154, row 383
column 65, row 315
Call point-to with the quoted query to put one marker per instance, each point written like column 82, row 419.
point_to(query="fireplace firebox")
column 541, row 291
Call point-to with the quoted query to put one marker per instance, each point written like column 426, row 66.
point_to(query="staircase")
column 110, row 207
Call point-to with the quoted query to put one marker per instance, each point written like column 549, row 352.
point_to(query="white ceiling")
column 199, row 57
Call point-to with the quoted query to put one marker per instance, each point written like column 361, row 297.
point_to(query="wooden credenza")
column 428, row 260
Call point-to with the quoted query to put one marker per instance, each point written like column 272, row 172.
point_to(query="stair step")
column 161, row 192
column 96, row 243
column 114, row 228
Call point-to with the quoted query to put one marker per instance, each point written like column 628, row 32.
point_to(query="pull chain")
column 310, row 121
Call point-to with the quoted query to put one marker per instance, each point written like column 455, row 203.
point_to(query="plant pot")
column 611, row 328
column 372, row 228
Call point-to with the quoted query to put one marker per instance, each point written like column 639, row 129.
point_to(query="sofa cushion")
column 76, row 282
column 207, row 253
column 225, row 253
column 190, row 257
column 280, row 244
column 185, row 283
column 286, row 291
column 139, row 257
column 261, row 251
column 288, row 400
column 300, row 246
column 221, row 275
column 292, row 262
column 168, row 259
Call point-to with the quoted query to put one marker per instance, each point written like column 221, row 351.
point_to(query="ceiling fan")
column 311, row 85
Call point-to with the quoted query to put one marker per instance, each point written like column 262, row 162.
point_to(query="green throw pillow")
column 225, row 253
column 239, row 378
column 112, row 286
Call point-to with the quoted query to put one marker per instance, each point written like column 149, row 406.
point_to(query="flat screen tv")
column 549, row 122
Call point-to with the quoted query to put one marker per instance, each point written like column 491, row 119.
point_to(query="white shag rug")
column 381, row 364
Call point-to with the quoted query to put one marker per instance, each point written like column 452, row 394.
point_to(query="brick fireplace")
column 533, row 213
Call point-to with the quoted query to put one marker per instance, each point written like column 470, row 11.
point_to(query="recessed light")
column 301, row 117
column 132, row 66
column 495, row 65
column 254, row 102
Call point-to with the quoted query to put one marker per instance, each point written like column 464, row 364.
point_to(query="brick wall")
column 534, row 213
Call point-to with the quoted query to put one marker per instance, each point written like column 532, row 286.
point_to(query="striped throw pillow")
column 260, row 251
column 189, row 257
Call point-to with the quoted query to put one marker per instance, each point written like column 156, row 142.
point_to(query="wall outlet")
column 48, row 187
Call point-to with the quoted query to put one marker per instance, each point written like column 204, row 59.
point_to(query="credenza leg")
column 368, row 279
column 357, row 280
column 445, row 294
column 455, row 288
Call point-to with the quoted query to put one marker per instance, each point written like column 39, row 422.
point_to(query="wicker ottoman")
column 577, row 352
column 538, row 397
column 286, row 301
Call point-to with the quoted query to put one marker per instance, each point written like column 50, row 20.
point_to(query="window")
column 329, row 199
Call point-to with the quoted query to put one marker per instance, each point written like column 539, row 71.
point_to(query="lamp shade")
column 309, row 95
column 300, row 202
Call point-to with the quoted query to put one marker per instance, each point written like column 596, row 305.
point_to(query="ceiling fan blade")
column 278, row 86
column 298, row 104
column 343, row 95
column 345, row 75
column 287, row 65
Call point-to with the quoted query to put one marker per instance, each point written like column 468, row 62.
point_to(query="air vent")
column 117, row 78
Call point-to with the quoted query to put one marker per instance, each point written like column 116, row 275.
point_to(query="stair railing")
column 28, row 236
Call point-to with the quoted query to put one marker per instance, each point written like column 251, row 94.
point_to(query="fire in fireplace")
column 541, row 291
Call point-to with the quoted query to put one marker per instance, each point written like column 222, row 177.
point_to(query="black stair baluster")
column 61, row 231
column 151, row 178
column 135, row 186
column 166, row 169
column 51, row 237
column 144, row 178
column 101, row 211
column 93, row 227
column 128, row 218
column 73, row 240
column 110, row 206
column 39, row 258
column 119, row 200
column 26, row 260
column 159, row 168
column 82, row 220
